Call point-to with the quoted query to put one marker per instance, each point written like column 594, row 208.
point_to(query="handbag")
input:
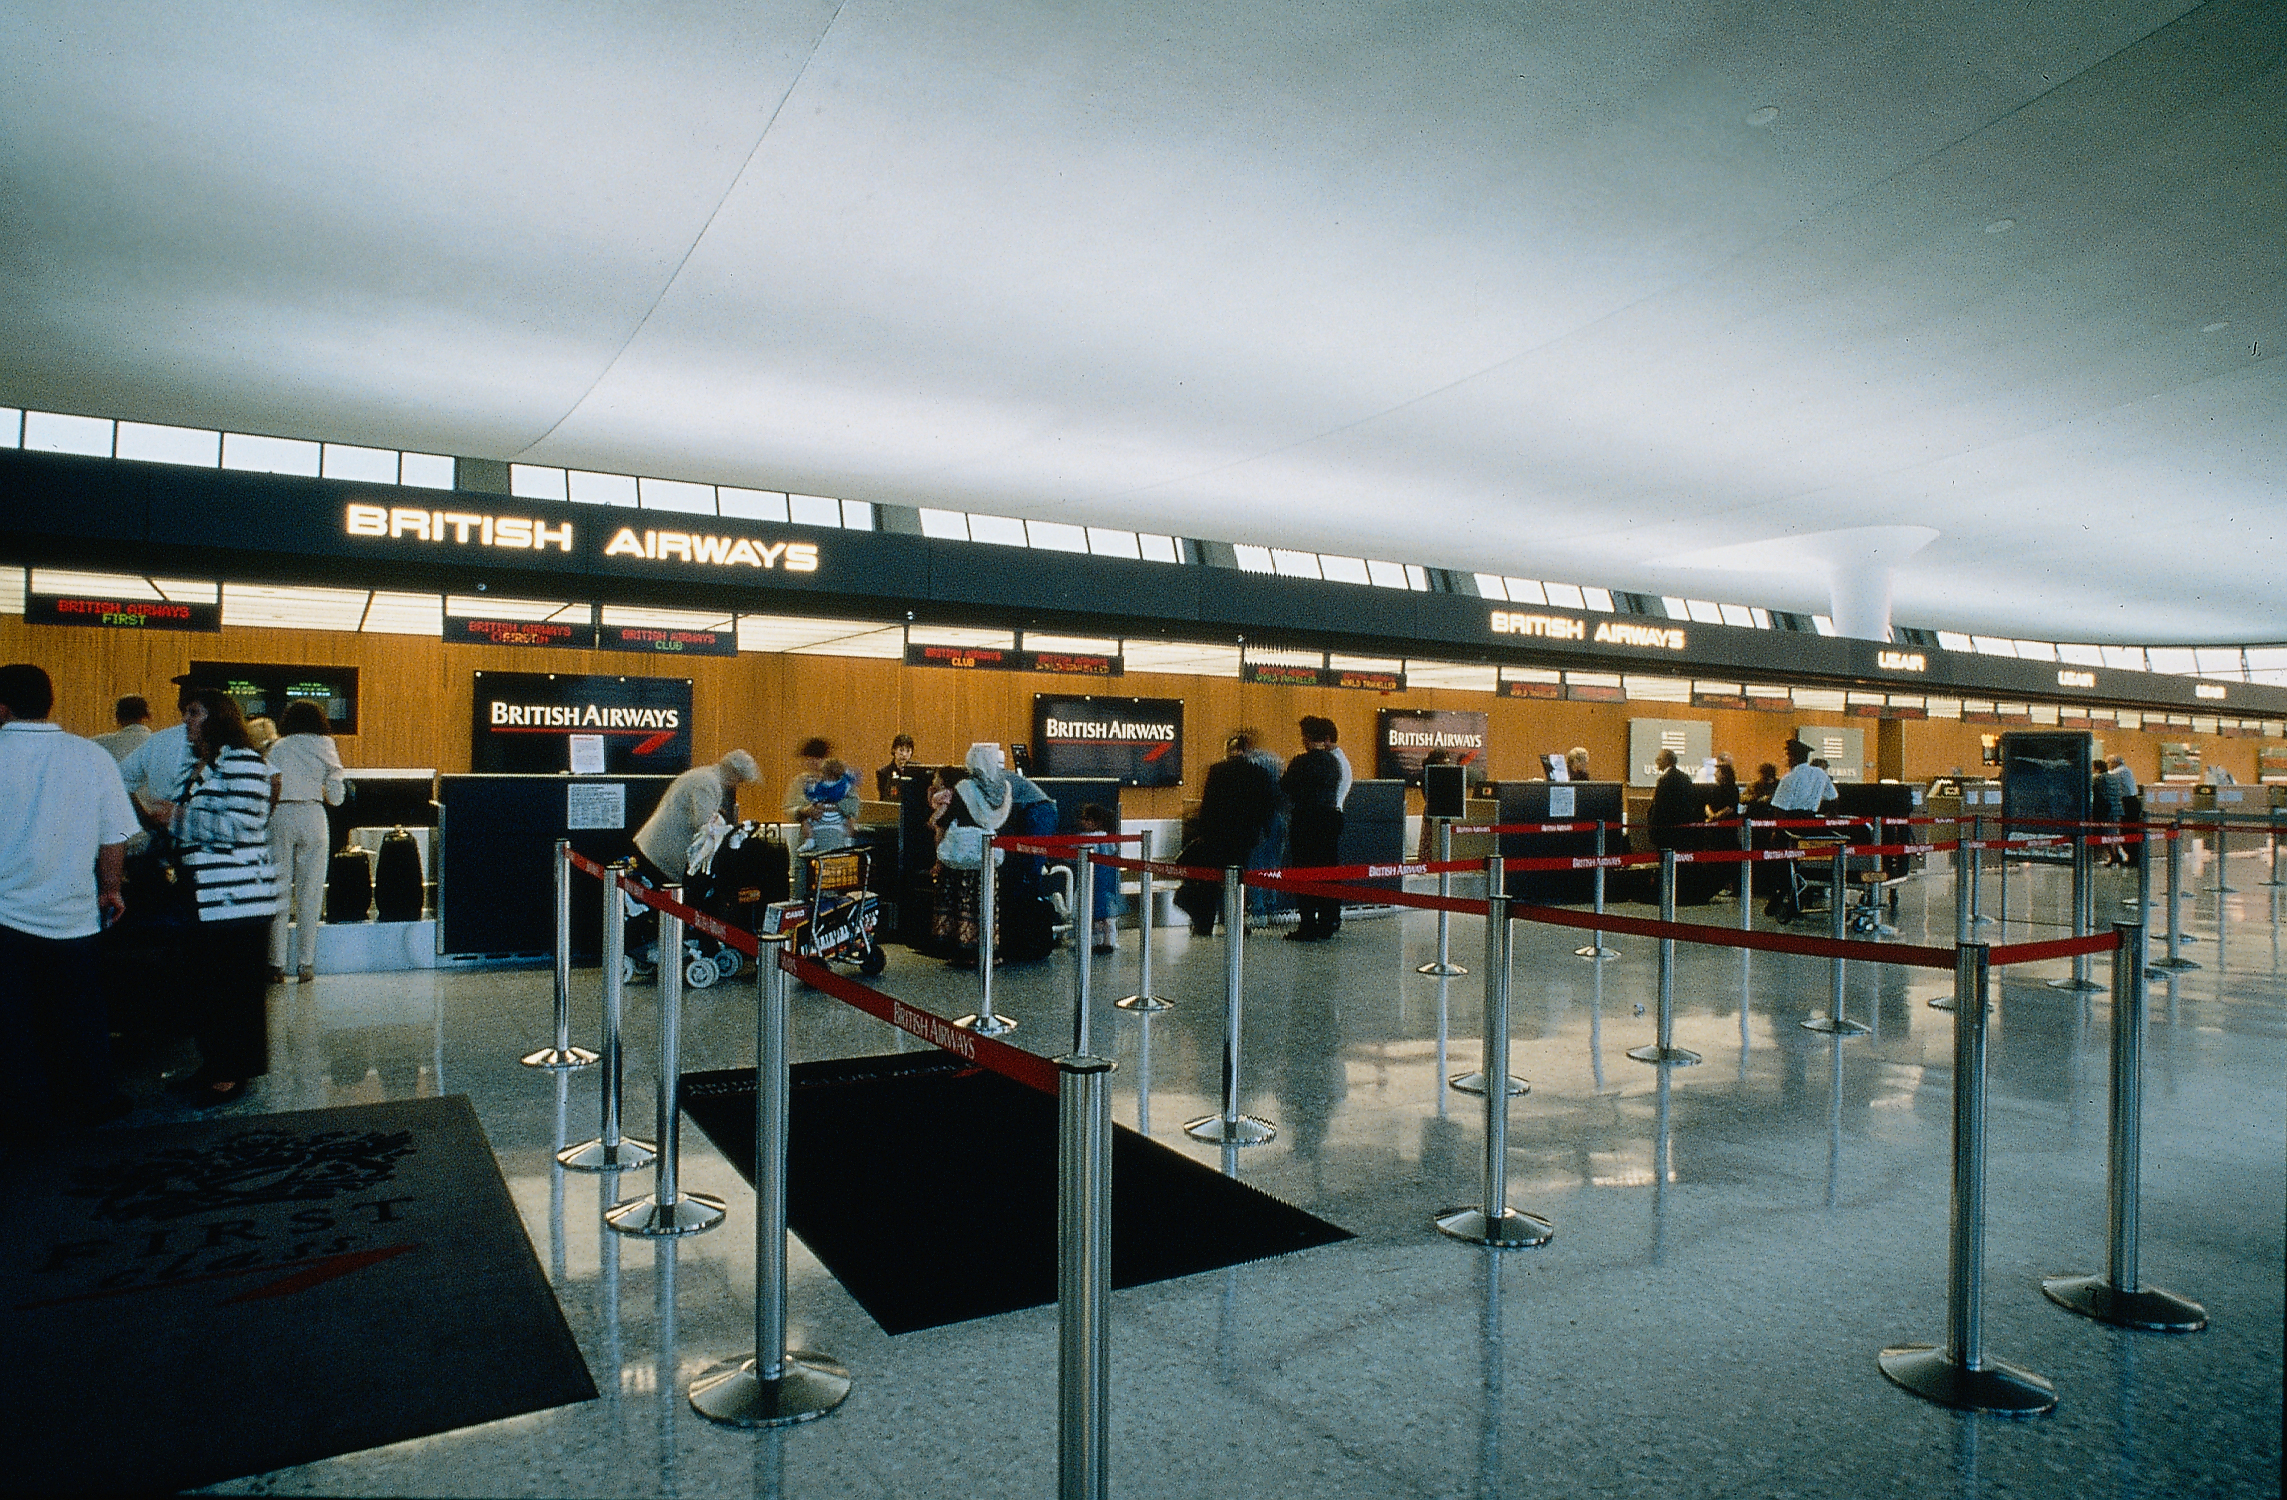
column 962, row 848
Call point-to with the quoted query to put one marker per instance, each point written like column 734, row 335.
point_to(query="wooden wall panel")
column 418, row 694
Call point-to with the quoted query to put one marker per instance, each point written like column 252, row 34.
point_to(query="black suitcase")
column 349, row 885
column 397, row 893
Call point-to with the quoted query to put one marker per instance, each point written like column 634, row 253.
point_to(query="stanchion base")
column 1474, row 1083
column 1511, row 1231
column 1981, row 920
column 1836, row 1026
column 1998, row 1389
column 997, row 1026
column 2147, row 1308
column 648, row 1218
column 2269, row 883
column 569, row 1060
column 1144, row 1004
column 1246, row 1130
column 812, row 1385
column 1668, row 1057
column 2172, row 965
column 2077, row 985
column 1442, row 971
column 1943, row 1002
column 591, row 1156
column 1595, row 950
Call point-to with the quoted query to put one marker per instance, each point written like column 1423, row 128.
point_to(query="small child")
column 829, row 828
column 1110, row 903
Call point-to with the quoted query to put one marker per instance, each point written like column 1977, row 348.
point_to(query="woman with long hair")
column 221, row 823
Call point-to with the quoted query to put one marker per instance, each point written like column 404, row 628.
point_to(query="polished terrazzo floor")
column 1709, row 1329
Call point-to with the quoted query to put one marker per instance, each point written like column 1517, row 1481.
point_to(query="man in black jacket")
column 1313, row 784
column 1236, row 803
column 1675, row 802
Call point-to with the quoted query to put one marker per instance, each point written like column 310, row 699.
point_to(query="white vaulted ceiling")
column 1542, row 290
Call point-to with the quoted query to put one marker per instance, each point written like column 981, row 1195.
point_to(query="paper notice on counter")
column 1560, row 803
column 587, row 754
column 596, row 805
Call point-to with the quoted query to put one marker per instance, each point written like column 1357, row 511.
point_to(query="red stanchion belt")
column 1162, row 868
column 693, row 918
column 2026, row 953
column 1280, row 880
column 584, row 864
column 1475, row 829
column 986, row 1052
column 1062, row 843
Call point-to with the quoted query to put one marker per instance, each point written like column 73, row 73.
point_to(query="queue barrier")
column 667, row 1212
column 610, row 1150
column 562, row 1056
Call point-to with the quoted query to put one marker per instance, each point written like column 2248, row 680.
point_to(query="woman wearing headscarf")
column 982, row 800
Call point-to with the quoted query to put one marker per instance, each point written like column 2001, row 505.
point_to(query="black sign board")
column 1404, row 738
column 1594, row 692
column 1514, row 689
column 2045, row 778
column 1139, row 741
column 528, row 722
column 667, row 640
column 265, row 688
column 574, row 634
column 120, row 614
column 1006, row 659
column 1279, row 674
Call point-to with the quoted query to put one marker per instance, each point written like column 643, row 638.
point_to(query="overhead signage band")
column 121, row 614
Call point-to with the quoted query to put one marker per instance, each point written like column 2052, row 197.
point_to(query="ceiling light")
column 2001, row 226
column 2216, row 327
column 1763, row 116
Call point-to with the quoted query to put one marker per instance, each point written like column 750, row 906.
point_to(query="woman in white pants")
column 307, row 768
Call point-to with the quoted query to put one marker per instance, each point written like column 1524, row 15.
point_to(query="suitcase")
column 397, row 885
column 349, row 885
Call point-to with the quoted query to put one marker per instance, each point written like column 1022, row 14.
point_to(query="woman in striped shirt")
column 221, row 824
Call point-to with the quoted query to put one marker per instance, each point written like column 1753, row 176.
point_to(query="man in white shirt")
column 64, row 826
column 155, row 770
column 134, row 719
column 1802, row 791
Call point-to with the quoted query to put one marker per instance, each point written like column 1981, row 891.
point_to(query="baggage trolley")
column 836, row 924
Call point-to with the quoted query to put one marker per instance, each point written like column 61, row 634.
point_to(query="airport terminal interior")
column 1527, row 401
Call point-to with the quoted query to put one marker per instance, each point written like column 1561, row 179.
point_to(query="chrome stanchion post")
column 1836, row 1021
column 1977, row 917
column 667, row 1210
column 1964, row 887
column 1494, row 1223
column 1083, row 950
column 2084, row 915
column 2175, row 962
column 563, row 1057
column 1665, row 1051
column 1084, row 1275
column 1230, row 1128
column 2115, row 1296
column 984, row 1022
column 2223, row 886
column 773, row 1386
column 1960, row 1375
column 2271, row 836
column 1596, row 949
column 1445, row 967
column 1746, row 877
column 1143, row 999
column 610, row 1151
column 1473, row 1083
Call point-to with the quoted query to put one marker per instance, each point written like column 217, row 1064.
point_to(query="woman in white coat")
column 306, row 768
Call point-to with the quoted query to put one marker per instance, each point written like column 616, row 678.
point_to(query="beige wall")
column 418, row 694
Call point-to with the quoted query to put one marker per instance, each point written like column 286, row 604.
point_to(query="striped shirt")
column 224, row 828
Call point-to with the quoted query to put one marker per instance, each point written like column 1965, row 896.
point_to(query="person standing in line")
column 1802, row 792
column 1271, row 847
column 1313, row 785
column 1721, row 796
column 221, row 827
column 154, row 771
column 133, row 716
column 1676, row 801
column 2131, row 805
column 64, row 825
column 309, row 779
column 1235, row 805
column 691, row 801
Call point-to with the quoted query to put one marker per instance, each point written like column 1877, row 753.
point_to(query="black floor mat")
column 928, row 1187
column 194, row 1302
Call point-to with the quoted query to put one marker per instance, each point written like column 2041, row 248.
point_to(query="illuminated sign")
column 1613, row 632
column 1901, row 661
column 575, row 634
column 536, row 723
column 1137, row 741
column 120, row 614
column 719, row 551
column 2076, row 679
column 1001, row 659
column 1281, row 674
column 2207, row 690
column 460, row 528
column 670, row 640
column 1552, row 627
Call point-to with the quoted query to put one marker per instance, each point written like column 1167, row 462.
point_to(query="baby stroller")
column 837, row 921
column 735, row 874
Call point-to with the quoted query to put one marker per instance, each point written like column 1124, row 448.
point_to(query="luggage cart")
column 836, row 923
